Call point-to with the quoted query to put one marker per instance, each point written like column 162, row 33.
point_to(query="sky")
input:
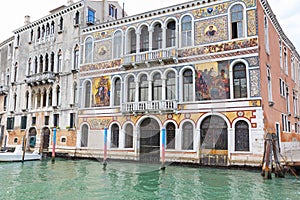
column 287, row 13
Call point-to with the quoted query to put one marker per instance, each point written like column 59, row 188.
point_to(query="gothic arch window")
column 88, row 50
column 131, row 41
column 186, row 31
column 52, row 62
column 59, row 61
column 58, row 96
column 117, row 92
column 117, row 45
column 187, row 139
column 171, row 34
column 75, row 93
column 15, row 101
column 39, row 99
column 61, row 24
column 143, row 88
column 47, row 29
column 240, row 81
column 35, row 65
column 16, row 72
column 46, row 63
column 76, row 57
column 27, row 100
column 76, row 18
column 129, row 136
column 144, row 39
column 84, row 136
column 38, row 33
column 157, row 37
column 157, row 87
column 170, row 134
column 52, row 29
column 130, row 89
column 29, row 70
column 115, row 136
column 188, row 83
column 33, row 96
column 44, row 97
column 41, row 64
column 241, row 136
column 237, row 21
column 50, row 97
column 87, row 94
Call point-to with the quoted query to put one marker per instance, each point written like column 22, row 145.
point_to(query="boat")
column 17, row 155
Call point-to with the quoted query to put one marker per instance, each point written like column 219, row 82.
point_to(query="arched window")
column 170, row 132
column 76, row 18
column 144, row 39
column 43, row 31
column 143, row 88
column 16, row 72
column 188, row 85
column 31, row 36
column 61, row 24
column 38, row 33
column 117, row 92
column 157, row 87
column 117, row 49
column 52, row 30
column 131, row 45
column 171, row 86
column 27, row 100
column 87, row 94
column 35, row 65
column 33, row 96
column 76, row 57
column 47, row 29
column 186, row 31
column 46, row 63
column 59, row 61
column 84, row 136
column 241, row 136
column 88, row 50
column 115, row 136
column 187, row 139
column 74, row 93
column 41, row 64
column 29, row 70
column 52, row 62
column 45, row 98
column 38, row 99
column 129, row 136
column 58, row 95
column 130, row 89
column 237, row 21
column 50, row 97
column 15, row 101
column 171, row 34
column 157, row 37
column 239, row 81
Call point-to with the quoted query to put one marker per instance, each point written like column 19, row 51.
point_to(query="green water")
column 85, row 179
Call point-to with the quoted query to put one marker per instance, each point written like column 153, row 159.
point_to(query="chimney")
column 70, row 2
column 27, row 19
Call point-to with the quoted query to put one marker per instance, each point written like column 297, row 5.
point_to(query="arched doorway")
column 214, row 141
column 45, row 138
column 31, row 138
column 149, row 140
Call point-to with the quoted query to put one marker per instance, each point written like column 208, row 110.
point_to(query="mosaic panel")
column 101, row 91
column 102, row 51
column 253, row 61
column 97, row 123
column 212, row 81
column 211, row 11
column 254, row 83
column 101, row 66
column 250, row 3
column 222, row 47
column 212, row 30
column 103, row 34
column 251, row 23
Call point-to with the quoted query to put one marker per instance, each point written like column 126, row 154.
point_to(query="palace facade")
column 214, row 76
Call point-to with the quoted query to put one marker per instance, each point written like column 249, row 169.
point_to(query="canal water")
column 86, row 179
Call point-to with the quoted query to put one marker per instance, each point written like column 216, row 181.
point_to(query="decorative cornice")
column 149, row 14
column 7, row 41
column 49, row 17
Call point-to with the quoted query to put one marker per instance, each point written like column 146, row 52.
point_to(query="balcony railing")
column 150, row 56
column 3, row 90
column 150, row 106
column 41, row 78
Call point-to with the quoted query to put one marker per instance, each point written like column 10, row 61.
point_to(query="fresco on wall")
column 101, row 66
column 213, row 30
column 221, row 47
column 103, row 34
column 102, row 51
column 251, row 23
column 254, row 83
column 212, row 81
column 210, row 11
column 101, row 91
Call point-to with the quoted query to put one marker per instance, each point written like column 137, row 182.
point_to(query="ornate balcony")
column 4, row 90
column 157, row 57
column 150, row 106
column 41, row 78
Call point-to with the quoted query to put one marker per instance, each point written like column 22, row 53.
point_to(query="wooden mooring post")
column 271, row 150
